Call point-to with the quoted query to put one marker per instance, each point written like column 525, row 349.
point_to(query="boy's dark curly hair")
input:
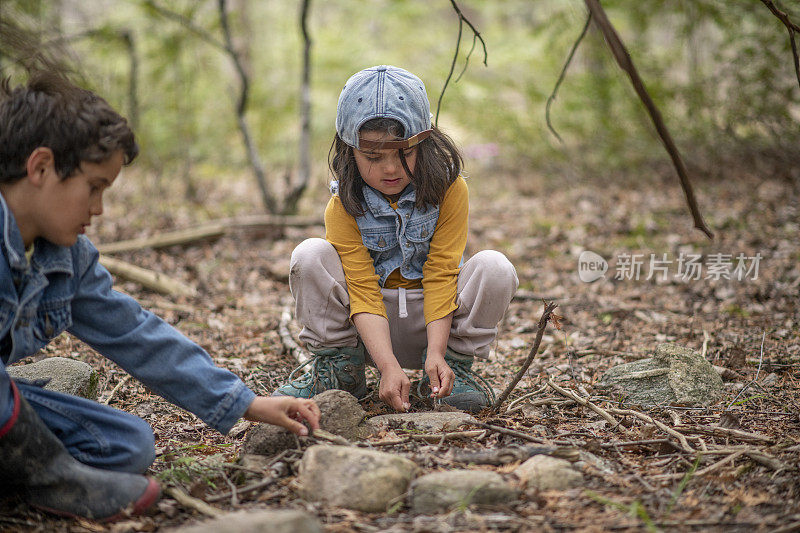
column 438, row 165
column 50, row 111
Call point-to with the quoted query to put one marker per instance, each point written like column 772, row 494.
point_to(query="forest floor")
column 750, row 326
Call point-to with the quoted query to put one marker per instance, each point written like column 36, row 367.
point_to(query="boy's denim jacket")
column 66, row 289
column 397, row 239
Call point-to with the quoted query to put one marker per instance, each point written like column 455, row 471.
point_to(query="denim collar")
column 47, row 256
column 378, row 205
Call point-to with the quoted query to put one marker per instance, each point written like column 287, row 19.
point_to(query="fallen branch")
column 548, row 309
column 148, row 279
column 625, row 62
column 208, row 231
column 193, row 503
column 287, row 340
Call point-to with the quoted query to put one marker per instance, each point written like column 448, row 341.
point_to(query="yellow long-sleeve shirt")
column 439, row 274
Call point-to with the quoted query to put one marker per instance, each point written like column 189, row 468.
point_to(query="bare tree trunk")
column 304, row 172
column 241, row 107
column 133, row 77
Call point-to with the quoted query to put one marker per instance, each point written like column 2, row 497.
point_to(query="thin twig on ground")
column 194, row 503
column 116, row 389
column 586, row 403
column 660, row 425
column 747, row 386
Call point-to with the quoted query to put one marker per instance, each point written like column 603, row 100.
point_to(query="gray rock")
column 444, row 491
column 340, row 413
column 66, row 375
column 673, row 375
column 542, row 472
column 282, row 521
column 433, row 421
column 354, row 478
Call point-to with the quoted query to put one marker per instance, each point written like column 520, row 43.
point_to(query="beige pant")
column 486, row 284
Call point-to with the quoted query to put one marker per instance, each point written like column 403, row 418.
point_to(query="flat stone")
column 542, row 472
column 444, row 491
column 66, row 375
column 280, row 521
column 428, row 421
column 354, row 478
column 340, row 413
column 674, row 375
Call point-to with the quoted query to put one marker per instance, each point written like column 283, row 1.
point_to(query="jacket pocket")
column 419, row 235
column 52, row 318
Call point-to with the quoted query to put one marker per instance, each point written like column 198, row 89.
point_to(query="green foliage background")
column 721, row 73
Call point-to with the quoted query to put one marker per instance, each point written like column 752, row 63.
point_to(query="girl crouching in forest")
column 390, row 282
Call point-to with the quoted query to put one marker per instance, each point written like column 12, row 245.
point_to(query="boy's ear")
column 40, row 163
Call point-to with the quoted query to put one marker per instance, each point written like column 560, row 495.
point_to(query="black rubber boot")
column 35, row 464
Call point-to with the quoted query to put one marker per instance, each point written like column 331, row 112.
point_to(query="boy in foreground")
column 61, row 147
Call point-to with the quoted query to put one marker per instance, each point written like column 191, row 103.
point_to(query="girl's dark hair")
column 76, row 124
column 438, row 165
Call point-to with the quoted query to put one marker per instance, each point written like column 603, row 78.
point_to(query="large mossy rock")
column 61, row 375
column 674, row 375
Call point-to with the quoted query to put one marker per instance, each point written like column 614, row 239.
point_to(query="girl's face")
column 382, row 169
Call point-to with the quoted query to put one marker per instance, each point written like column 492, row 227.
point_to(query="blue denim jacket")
column 66, row 289
column 397, row 239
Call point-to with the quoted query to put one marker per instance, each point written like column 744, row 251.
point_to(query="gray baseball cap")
column 383, row 92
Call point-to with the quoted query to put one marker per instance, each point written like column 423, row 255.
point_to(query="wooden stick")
column 548, row 309
column 148, row 279
column 193, row 503
column 321, row 434
column 119, row 385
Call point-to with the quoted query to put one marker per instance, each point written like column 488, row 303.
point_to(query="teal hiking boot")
column 330, row 368
column 471, row 392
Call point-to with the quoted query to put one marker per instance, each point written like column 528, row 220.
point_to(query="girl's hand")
column 394, row 389
column 284, row 411
column 441, row 375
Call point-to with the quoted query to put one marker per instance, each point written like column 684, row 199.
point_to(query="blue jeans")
column 93, row 433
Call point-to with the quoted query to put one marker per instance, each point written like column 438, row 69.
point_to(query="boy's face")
column 382, row 169
column 66, row 206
